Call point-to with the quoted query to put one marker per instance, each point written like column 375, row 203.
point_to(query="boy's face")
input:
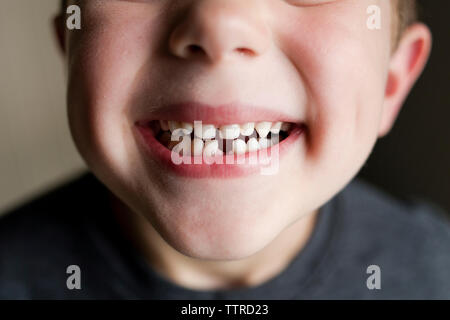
column 311, row 62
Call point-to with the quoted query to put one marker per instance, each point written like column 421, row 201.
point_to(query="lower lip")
column 223, row 170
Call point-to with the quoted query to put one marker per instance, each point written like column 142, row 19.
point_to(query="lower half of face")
column 319, row 94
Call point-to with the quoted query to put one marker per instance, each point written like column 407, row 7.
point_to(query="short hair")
column 406, row 13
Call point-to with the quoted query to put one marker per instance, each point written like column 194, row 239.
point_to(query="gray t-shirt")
column 363, row 238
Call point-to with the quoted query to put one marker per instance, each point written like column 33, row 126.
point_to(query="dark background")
column 414, row 159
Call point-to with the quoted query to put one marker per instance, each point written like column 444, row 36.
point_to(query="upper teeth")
column 229, row 131
column 179, row 128
column 247, row 128
column 263, row 128
column 276, row 127
column 208, row 132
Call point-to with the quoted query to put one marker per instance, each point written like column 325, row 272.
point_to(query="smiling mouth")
column 197, row 139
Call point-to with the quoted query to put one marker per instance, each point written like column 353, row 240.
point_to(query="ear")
column 60, row 32
column 406, row 65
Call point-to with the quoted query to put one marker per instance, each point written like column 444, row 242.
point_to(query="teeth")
column 179, row 129
column 276, row 127
column 173, row 125
column 226, row 146
column 232, row 137
column 230, row 131
column 239, row 146
column 252, row 145
column 263, row 128
column 208, row 132
column 183, row 147
column 197, row 147
column 211, row 148
column 247, row 128
column 164, row 125
column 275, row 139
column 187, row 127
column 253, row 135
column 264, row 143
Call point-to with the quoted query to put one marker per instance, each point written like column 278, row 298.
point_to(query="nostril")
column 194, row 49
column 245, row 51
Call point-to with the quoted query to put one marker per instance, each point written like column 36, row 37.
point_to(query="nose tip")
column 215, row 30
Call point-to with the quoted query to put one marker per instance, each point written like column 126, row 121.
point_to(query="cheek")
column 343, row 66
column 105, row 61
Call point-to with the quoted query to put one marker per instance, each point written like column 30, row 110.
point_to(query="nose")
column 215, row 30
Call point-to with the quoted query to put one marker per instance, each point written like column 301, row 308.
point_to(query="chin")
column 217, row 239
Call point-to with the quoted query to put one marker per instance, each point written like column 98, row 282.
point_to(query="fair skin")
column 304, row 58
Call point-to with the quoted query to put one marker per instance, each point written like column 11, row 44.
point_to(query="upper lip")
column 234, row 113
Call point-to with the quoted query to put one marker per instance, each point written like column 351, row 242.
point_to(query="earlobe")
column 60, row 33
column 406, row 65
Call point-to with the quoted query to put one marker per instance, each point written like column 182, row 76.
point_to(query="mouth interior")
column 173, row 134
